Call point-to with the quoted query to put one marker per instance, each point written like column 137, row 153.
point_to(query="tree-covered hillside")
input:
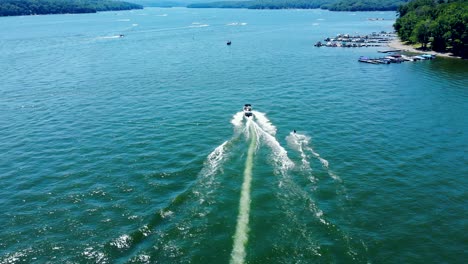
column 366, row 5
column 440, row 25
column 42, row 7
column 334, row 5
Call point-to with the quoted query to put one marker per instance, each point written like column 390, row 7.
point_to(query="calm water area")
column 134, row 148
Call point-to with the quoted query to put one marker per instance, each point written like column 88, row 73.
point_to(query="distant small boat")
column 228, row 43
column 248, row 110
column 428, row 56
column 367, row 60
column 407, row 58
column 363, row 59
column 384, row 61
column 374, row 61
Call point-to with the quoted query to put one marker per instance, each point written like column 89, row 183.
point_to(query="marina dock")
column 389, row 51
column 395, row 58
column 358, row 41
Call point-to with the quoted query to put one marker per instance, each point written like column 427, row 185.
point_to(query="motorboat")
column 428, row 56
column 248, row 110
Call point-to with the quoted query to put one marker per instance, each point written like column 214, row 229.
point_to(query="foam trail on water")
column 109, row 37
column 242, row 228
column 303, row 142
column 188, row 207
column 280, row 155
column 296, row 141
column 214, row 160
column 264, row 123
column 266, row 130
column 213, row 165
column 237, row 119
column 283, row 164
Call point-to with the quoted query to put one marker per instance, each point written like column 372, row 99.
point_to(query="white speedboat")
column 248, row 110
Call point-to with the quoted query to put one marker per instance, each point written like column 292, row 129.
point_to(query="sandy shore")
column 397, row 44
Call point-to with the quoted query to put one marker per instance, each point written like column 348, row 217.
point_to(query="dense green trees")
column 41, row 7
column 366, row 5
column 439, row 25
column 334, row 5
column 264, row 4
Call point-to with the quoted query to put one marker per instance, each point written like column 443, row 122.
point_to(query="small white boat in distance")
column 248, row 110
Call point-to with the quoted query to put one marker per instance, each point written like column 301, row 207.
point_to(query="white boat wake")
column 302, row 144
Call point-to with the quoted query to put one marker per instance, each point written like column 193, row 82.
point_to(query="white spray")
column 302, row 144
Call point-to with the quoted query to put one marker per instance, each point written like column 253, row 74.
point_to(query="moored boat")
column 428, row 56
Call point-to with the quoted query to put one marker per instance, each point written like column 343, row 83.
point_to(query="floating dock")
column 388, row 51
column 395, row 58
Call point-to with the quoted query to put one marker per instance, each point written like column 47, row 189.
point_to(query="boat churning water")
column 248, row 110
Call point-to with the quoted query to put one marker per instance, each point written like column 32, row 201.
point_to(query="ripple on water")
column 105, row 143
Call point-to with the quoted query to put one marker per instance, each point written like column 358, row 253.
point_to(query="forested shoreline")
column 440, row 25
column 44, row 7
column 332, row 5
column 366, row 5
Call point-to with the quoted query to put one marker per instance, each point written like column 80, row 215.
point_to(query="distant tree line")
column 441, row 25
column 263, row 4
column 43, row 7
column 366, row 5
column 161, row 3
column 333, row 5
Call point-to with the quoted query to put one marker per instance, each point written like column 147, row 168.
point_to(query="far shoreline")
column 399, row 45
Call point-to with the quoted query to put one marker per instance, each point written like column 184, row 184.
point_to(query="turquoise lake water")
column 134, row 150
